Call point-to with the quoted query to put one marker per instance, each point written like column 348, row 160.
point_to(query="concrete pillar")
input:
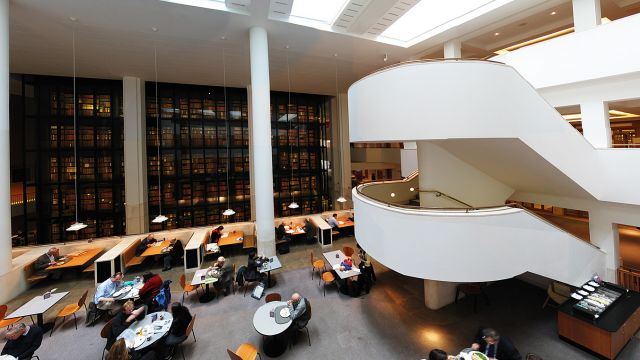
column 453, row 49
column 5, row 176
column 260, row 142
column 603, row 233
column 252, row 177
column 135, row 156
column 341, row 152
column 408, row 158
column 595, row 123
column 438, row 294
column 586, row 14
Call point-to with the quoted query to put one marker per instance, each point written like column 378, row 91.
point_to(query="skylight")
column 319, row 10
column 207, row 4
column 431, row 17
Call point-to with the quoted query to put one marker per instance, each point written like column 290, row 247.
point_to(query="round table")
column 275, row 342
column 148, row 320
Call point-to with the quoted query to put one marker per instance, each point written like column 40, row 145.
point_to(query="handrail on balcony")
column 629, row 279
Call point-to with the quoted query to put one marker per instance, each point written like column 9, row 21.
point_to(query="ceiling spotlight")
column 496, row 34
column 154, row 29
column 385, row 58
column 335, row 55
column 553, row 13
column 73, row 18
column 286, row 46
column 412, row 189
column 393, row 194
column 223, row 37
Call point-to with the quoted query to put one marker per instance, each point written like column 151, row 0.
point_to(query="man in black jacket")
column 50, row 258
column 22, row 341
column 175, row 253
column 489, row 342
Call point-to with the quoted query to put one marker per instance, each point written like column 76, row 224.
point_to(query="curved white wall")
column 473, row 247
column 484, row 100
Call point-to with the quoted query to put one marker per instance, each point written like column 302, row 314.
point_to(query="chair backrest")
column 130, row 252
column 106, row 330
column 182, row 281
column 3, row 311
column 311, row 257
column 273, row 297
column 233, row 355
column 561, row 289
column 348, row 250
column 308, row 304
column 190, row 326
column 83, row 298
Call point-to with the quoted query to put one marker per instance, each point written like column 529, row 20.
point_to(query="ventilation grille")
column 349, row 15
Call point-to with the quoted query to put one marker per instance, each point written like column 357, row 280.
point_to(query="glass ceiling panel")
column 324, row 11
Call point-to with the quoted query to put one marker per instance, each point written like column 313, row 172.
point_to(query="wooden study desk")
column 156, row 248
column 231, row 238
column 77, row 259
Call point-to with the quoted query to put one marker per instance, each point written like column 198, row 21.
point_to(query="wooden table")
column 77, row 259
column 231, row 238
column 156, row 249
column 344, row 223
column 295, row 230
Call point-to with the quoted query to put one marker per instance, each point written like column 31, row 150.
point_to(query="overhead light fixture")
column 229, row 210
column 553, row 13
column 341, row 199
column 77, row 225
column 160, row 218
column 294, row 204
column 412, row 189
column 385, row 58
column 393, row 194
column 496, row 34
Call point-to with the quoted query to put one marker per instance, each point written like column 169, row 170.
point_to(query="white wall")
column 409, row 158
column 604, row 51
column 473, row 247
column 482, row 100
column 440, row 170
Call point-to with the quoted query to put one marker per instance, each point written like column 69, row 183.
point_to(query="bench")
column 129, row 255
column 91, row 268
column 249, row 242
column 30, row 273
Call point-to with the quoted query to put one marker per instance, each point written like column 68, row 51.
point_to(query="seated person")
column 22, row 341
column 224, row 273
column 308, row 229
column 103, row 298
column 215, row 235
column 346, row 264
column 281, row 232
column 332, row 221
column 253, row 263
column 489, row 342
column 125, row 317
column 298, row 310
column 175, row 253
column 151, row 288
column 437, row 354
column 144, row 244
column 177, row 333
column 50, row 258
column 119, row 351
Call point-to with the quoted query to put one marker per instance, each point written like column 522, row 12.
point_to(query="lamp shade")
column 159, row 219
column 228, row 212
column 294, row 205
column 77, row 226
column 341, row 199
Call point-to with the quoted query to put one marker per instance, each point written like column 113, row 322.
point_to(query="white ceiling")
column 115, row 38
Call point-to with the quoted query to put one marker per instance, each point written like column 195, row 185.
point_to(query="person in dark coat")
column 253, row 264
column 50, row 258
column 215, row 234
column 22, row 341
column 144, row 244
column 224, row 273
column 175, row 253
column 177, row 333
column 489, row 342
column 124, row 319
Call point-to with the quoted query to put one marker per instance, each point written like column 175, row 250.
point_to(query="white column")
column 5, row 176
column 453, row 49
column 408, row 158
column 603, row 233
column 135, row 155
column 586, row 14
column 252, row 178
column 595, row 123
column 438, row 294
column 261, row 141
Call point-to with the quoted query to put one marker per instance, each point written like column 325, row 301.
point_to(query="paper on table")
column 213, row 247
column 224, row 235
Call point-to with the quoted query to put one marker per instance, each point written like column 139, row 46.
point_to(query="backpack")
column 162, row 300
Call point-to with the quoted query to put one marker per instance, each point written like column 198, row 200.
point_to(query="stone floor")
column 389, row 323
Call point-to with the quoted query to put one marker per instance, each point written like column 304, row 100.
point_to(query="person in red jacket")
column 151, row 288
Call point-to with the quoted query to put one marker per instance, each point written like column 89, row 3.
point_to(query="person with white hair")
column 223, row 270
column 50, row 258
column 22, row 341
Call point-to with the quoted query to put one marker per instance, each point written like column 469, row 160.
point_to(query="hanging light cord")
column 338, row 122
column 155, row 66
column 75, row 128
column 226, row 117
column 293, row 198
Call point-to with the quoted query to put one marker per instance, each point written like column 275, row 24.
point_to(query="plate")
column 122, row 291
column 138, row 340
column 284, row 312
column 477, row 355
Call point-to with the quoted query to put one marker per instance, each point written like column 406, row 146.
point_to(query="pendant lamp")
column 77, row 225
column 341, row 198
column 160, row 218
column 229, row 211
column 294, row 204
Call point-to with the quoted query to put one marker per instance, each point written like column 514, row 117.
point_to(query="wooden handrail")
column 629, row 279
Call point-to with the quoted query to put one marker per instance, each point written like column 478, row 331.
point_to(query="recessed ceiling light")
column 496, row 34
column 72, row 18
column 154, row 29
column 223, row 37
column 286, row 46
column 335, row 55
column 553, row 13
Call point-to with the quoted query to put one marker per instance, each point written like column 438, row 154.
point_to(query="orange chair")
column 6, row 322
column 187, row 288
column 328, row 279
column 348, row 251
column 273, row 297
column 317, row 265
column 246, row 351
column 71, row 309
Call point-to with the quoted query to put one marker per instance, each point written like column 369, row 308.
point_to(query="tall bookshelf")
column 299, row 153
column 42, row 127
column 194, row 130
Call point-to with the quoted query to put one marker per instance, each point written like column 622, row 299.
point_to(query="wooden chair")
column 186, row 333
column 71, row 309
column 328, row 279
column 245, row 351
column 317, row 265
column 348, row 251
column 6, row 322
column 105, row 333
column 187, row 288
column 557, row 292
column 273, row 297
